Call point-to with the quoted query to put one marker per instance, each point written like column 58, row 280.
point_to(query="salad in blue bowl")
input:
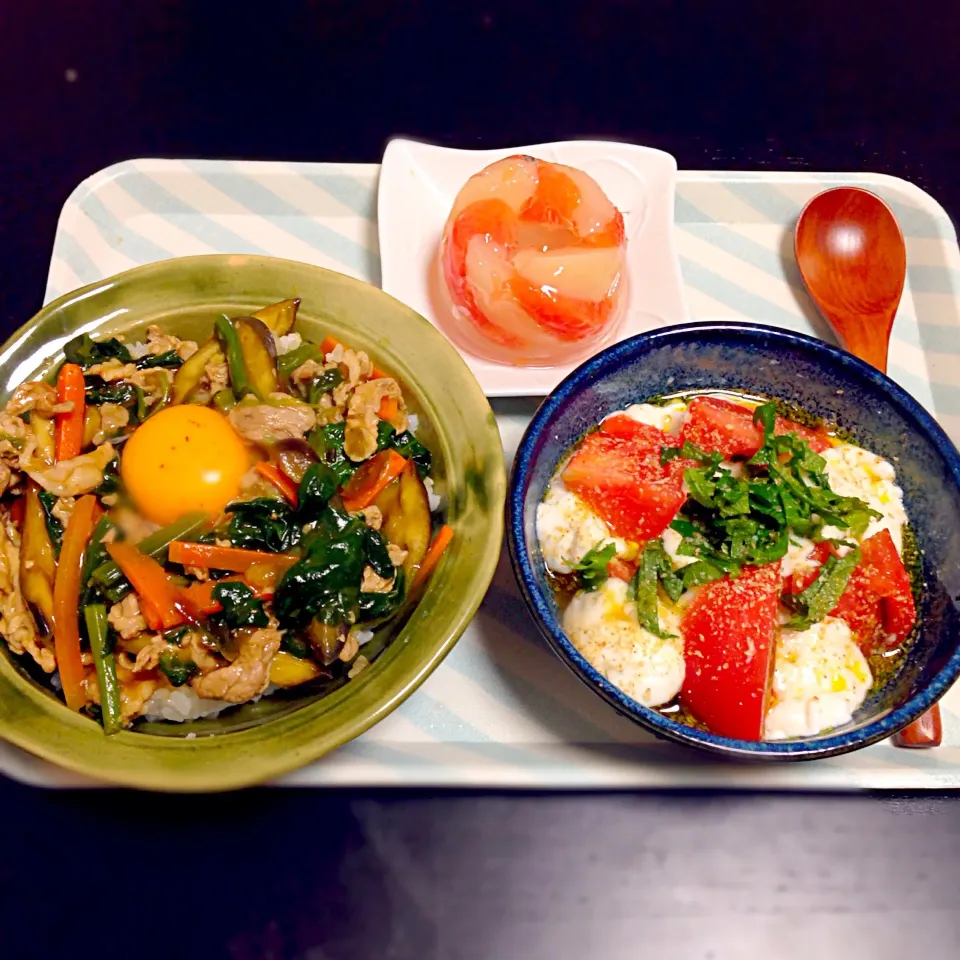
column 744, row 539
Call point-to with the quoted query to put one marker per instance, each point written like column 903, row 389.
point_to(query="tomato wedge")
column 878, row 594
column 617, row 472
column 724, row 427
column 719, row 426
column 728, row 635
column 798, row 580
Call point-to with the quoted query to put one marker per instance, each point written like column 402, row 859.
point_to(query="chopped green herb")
column 169, row 359
column 592, row 569
column 814, row 603
column 643, row 587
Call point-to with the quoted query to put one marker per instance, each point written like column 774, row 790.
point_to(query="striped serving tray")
column 502, row 711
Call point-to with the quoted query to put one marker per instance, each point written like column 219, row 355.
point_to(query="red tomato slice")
column 799, row 580
column 719, row 426
column 621, row 569
column 815, row 439
column 617, row 471
column 728, row 637
column 620, row 425
column 878, row 594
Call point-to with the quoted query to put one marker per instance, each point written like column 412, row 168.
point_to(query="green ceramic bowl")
column 260, row 741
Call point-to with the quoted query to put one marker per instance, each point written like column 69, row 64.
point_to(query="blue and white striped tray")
column 502, row 711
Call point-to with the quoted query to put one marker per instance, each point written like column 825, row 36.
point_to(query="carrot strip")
column 370, row 480
column 280, row 480
column 199, row 596
column 66, row 601
column 389, row 409
column 157, row 591
column 69, row 427
column 17, row 510
column 440, row 543
column 329, row 344
column 209, row 555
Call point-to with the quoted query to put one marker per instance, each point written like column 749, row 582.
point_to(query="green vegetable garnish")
column 264, row 523
column 730, row 521
column 592, row 569
column 813, row 604
column 169, row 359
column 324, row 383
column 230, row 342
column 177, row 671
column 54, row 527
column 98, row 633
column 289, row 362
column 643, row 586
column 240, row 607
column 86, row 351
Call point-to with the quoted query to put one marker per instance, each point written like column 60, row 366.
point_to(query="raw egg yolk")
column 182, row 459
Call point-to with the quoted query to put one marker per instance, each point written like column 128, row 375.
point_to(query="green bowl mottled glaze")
column 262, row 740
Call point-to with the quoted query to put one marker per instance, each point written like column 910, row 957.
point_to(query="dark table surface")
column 314, row 875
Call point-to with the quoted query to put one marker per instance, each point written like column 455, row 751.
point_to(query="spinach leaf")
column 86, row 351
column 169, row 359
column 317, row 488
column 177, row 671
column 327, row 441
column 54, row 527
column 375, row 606
column 263, row 524
column 111, row 482
column 99, row 391
column 376, row 554
column 814, row 603
column 407, row 445
column 385, row 433
column 592, row 569
column 324, row 383
column 328, row 575
column 643, row 588
column 240, row 607
column 295, row 644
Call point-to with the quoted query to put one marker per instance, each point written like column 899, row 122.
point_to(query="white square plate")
column 418, row 184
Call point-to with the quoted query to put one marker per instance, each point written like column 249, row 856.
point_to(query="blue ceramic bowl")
column 824, row 381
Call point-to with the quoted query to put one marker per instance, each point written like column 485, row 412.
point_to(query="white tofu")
column 603, row 626
column 568, row 529
column 820, row 678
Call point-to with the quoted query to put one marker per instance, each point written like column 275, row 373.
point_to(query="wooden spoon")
column 853, row 261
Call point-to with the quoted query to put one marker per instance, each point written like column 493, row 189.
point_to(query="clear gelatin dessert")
column 533, row 263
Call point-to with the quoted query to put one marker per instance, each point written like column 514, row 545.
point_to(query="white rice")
column 413, row 422
column 434, row 497
column 181, row 704
column 138, row 350
column 288, row 342
column 362, row 636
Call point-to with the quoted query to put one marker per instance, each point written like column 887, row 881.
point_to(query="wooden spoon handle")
column 923, row 733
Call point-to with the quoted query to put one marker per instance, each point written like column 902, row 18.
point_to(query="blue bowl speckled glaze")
column 824, row 381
